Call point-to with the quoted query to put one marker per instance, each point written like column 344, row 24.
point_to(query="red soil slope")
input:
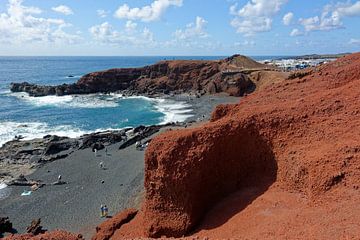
column 284, row 163
column 54, row 235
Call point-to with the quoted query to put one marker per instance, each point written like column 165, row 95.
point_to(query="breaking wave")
column 31, row 130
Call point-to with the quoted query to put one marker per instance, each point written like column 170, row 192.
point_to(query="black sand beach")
column 75, row 206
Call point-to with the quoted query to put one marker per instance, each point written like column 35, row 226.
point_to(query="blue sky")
column 178, row 27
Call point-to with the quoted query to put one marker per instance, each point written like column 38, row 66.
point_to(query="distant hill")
column 319, row 56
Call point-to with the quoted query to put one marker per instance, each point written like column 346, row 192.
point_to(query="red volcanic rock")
column 290, row 153
column 179, row 76
column 105, row 230
column 54, row 235
column 230, row 75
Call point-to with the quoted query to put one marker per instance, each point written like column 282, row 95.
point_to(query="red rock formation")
column 207, row 77
column 54, row 235
column 105, row 230
column 292, row 148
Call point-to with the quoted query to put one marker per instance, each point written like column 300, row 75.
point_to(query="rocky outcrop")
column 50, row 148
column 106, row 230
column 53, row 235
column 300, row 137
column 35, row 228
column 5, row 225
column 205, row 77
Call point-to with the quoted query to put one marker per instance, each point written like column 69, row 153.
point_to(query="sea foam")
column 31, row 130
column 69, row 101
column 175, row 111
column 4, row 191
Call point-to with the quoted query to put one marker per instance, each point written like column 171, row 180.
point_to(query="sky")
column 178, row 27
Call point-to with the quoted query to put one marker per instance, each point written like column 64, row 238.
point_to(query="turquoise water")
column 75, row 115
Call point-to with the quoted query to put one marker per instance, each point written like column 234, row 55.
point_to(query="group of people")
column 103, row 208
column 140, row 146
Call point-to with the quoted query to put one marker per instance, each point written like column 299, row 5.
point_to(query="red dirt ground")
column 54, row 235
column 284, row 163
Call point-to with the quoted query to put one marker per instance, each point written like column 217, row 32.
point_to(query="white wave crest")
column 31, row 130
column 2, row 186
column 4, row 191
column 73, row 76
column 175, row 111
column 70, row 101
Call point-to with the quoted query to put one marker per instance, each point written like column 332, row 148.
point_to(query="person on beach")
column 106, row 150
column 59, row 178
column 95, row 151
column 106, row 211
column 102, row 210
column 101, row 165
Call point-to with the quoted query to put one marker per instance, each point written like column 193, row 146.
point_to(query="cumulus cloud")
column 193, row 36
column 130, row 26
column 287, row 19
column 63, row 10
column 20, row 24
column 105, row 33
column 193, row 30
column 256, row 16
column 296, row 32
column 102, row 13
column 331, row 17
column 149, row 13
column 348, row 9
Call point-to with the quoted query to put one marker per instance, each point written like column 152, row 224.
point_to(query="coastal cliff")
column 281, row 164
column 287, row 155
column 235, row 76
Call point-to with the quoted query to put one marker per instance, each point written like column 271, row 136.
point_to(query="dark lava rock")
column 55, row 147
column 5, row 225
column 35, row 228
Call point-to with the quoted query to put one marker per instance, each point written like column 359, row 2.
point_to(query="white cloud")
column 354, row 41
column 102, row 13
column 255, row 16
column 287, row 19
column 147, row 13
column 296, row 32
column 348, row 9
column 193, row 30
column 130, row 26
column 245, row 43
column 20, row 25
column 331, row 17
column 327, row 21
column 105, row 33
column 63, row 10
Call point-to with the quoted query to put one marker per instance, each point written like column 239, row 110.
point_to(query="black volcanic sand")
column 75, row 206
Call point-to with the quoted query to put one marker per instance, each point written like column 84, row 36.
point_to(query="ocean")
column 73, row 116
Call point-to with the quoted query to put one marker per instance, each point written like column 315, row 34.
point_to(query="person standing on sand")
column 101, row 165
column 106, row 211
column 95, row 151
column 59, row 178
column 102, row 210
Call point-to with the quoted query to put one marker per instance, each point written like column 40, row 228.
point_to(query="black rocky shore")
column 51, row 147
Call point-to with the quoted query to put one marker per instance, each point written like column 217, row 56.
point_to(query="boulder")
column 5, row 225
column 35, row 228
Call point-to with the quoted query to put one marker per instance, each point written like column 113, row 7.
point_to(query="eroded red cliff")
column 283, row 163
column 235, row 75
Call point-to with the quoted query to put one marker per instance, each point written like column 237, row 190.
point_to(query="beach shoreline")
column 119, row 186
